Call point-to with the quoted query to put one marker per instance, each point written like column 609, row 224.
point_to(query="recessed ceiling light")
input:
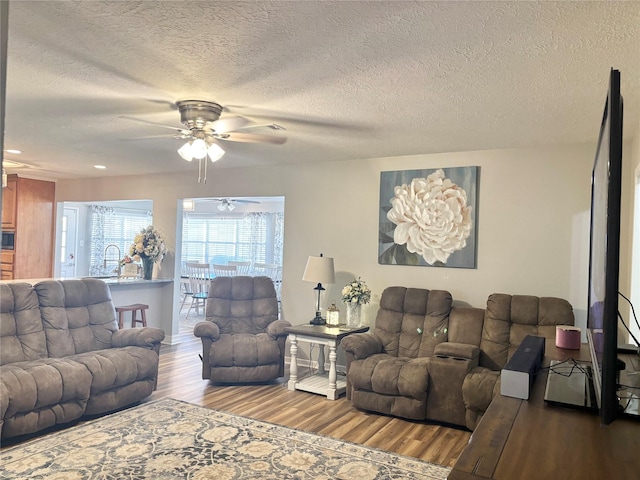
column 13, row 151
column 101, row 167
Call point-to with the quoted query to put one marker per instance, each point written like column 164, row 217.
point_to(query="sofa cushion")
column 40, row 393
column 244, row 350
column 78, row 315
column 115, row 367
column 405, row 407
column 242, row 304
column 22, row 337
column 119, row 376
column 510, row 318
column 387, row 375
column 478, row 389
column 412, row 321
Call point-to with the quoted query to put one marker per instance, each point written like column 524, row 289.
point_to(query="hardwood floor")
column 180, row 378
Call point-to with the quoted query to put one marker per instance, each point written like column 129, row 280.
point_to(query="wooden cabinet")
column 9, row 194
column 28, row 210
column 6, row 265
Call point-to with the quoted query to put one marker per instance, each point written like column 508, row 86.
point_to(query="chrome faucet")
column 119, row 269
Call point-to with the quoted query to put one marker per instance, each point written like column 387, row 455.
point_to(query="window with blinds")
column 210, row 238
column 113, row 226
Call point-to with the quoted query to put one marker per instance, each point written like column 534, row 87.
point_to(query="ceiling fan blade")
column 232, row 200
column 229, row 124
column 272, row 126
column 252, row 138
column 151, row 137
column 291, row 118
column 178, row 129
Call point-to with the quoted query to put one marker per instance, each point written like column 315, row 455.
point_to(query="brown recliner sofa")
column 242, row 339
column 454, row 377
column 62, row 355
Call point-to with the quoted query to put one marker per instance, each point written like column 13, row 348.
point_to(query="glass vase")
column 353, row 314
column 147, row 268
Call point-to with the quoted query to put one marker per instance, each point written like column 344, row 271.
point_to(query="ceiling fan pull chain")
column 205, row 169
column 199, row 170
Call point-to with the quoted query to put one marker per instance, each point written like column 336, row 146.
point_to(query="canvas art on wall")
column 428, row 217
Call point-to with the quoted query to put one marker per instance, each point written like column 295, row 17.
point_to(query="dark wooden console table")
column 527, row 439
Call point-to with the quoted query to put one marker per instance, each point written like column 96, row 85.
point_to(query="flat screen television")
column 604, row 255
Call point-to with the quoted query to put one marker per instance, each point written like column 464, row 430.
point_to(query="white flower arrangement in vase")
column 148, row 246
column 354, row 295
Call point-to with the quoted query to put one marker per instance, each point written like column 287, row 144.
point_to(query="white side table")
column 323, row 383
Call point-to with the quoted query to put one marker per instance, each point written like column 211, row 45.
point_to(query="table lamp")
column 319, row 270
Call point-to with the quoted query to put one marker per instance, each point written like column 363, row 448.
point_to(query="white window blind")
column 211, row 238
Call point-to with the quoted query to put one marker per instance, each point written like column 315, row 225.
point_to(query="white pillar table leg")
column 293, row 367
column 333, row 356
column 321, row 358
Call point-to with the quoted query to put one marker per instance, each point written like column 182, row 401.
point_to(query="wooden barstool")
column 141, row 307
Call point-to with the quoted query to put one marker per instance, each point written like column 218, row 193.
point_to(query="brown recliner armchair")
column 242, row 340
column 387, row 370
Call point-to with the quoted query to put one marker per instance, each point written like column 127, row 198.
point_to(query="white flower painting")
column 428, row 217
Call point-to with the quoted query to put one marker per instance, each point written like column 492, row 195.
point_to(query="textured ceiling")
column 346, row 79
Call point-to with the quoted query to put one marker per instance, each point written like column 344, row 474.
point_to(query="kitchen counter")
column 111, row 281
column 158, row 293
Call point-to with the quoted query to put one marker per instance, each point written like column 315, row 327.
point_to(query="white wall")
column 533, row 220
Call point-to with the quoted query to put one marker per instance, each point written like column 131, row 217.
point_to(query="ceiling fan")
column 228, row 204
column 204, row 129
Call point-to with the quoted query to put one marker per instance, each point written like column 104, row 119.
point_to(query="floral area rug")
column 169, row 439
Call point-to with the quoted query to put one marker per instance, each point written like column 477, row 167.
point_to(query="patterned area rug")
column 169, row 439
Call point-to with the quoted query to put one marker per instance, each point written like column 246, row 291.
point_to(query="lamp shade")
column 319, row 270
column 199, row 148
column 215, row 152
column 185, row 152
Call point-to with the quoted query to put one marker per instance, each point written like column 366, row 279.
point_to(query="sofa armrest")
column 480, row 386
column 149, row 337
column 207, row 329
column 361, row 345
column 457, row 350
column 448, row 369
column 276, row 329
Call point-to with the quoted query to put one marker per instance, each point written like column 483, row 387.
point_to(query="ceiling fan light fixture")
column 199, row 149
column 185, row 152
column 225, row 204
column 215, row 152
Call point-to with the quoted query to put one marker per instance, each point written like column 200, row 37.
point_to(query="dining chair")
column 242, row 267
column 274, row 272
column 270, row 270
column 199, row 275
column 224, row 270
